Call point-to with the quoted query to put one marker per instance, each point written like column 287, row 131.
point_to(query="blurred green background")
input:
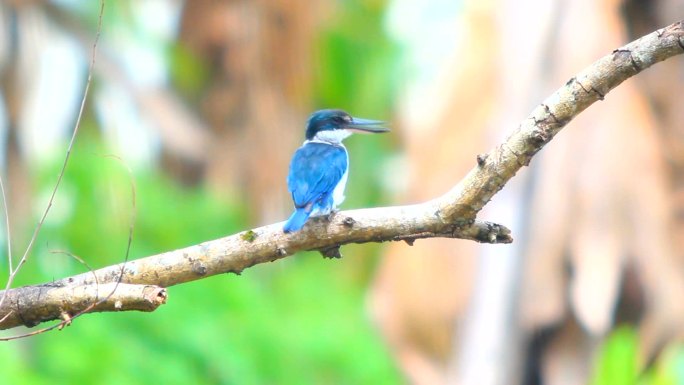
column 241, row 76
column 298, row 321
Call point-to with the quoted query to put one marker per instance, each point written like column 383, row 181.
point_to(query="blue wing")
column 315, row 170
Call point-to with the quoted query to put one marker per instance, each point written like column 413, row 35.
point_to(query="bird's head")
column 335, row 125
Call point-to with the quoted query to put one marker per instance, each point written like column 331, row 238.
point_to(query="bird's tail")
column 297, row 220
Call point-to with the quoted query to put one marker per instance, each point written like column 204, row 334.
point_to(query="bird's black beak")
column 367, row 126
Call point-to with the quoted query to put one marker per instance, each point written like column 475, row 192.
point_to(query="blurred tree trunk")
column 421, row 292
column 593, row 218
column 259, row 54
column 13, row 84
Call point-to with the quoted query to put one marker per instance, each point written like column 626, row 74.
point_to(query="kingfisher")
column 319, row 168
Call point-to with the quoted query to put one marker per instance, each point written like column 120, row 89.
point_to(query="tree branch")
column 32, row 305
column 548, row 118
column 451, row 215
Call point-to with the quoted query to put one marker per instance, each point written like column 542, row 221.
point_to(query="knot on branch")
column 625, row 54
column 332, row 252
column 493, row 233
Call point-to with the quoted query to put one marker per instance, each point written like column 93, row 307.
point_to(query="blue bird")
column 319, row 168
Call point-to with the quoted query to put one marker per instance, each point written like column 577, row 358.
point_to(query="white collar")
column 334, row 137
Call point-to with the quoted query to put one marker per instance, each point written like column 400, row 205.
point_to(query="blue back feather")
column 315, row 170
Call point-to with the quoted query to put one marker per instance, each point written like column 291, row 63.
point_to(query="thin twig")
column 36, row 231
column 64, row 322
column 7, row 227
column 68, row 318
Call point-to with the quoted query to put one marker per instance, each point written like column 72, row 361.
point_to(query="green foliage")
column 188, row 73
column 299, row 321
column 357, row 67
column 617, row 363
column 357, row 63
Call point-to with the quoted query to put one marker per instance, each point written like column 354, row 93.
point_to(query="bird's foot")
column 331, row 214
column 332, row 252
